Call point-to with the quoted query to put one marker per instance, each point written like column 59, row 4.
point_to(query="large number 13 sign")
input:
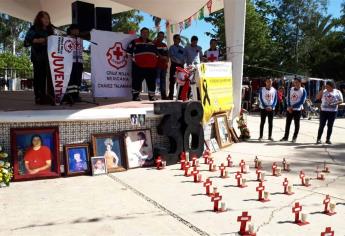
column 181, row 123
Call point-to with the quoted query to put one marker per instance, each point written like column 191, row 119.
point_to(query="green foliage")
column 8, row 60
column 126, row 21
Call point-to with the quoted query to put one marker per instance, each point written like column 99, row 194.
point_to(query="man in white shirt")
column 213, row 54
column 330, row 98
column 295, row 100
column 268, row 102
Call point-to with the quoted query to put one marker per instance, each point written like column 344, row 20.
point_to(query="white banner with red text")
column 110, row 65
column 60, row 54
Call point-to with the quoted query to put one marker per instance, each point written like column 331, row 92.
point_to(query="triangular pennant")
column 201, row 14
column 209, row 6
column 172, row 29
column 181, row 24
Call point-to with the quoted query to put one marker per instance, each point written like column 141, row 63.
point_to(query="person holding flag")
column 268, row 102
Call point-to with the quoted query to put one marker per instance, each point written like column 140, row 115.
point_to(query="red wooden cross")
column 216, row 198
column 258, row 174
column 256, row 161
column 118, row 53
column 238, row 176
column 260, row 189
column 326, row 203
column 229, row 160
column 222, row 169
column 242, row 164
column 301, row 176
column 328, row 232
column 159, row 162
column 183, row 156
column 205, row 156
column 285, row 184
column 194, row 158
column 244, row 218
column 274, row 168
column 183, row 162
column 195, row 173
column 186, row 168
column 296, row 209
column 210, row 163
column 207, row 185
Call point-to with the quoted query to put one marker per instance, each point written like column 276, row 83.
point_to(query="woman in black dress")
column 36, row 38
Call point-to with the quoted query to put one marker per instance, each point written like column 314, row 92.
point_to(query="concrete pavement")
column 149, row 202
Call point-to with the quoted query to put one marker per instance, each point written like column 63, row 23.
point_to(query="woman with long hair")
column 36, row 38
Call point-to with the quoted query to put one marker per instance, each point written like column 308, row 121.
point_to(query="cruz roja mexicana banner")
column 110, row 65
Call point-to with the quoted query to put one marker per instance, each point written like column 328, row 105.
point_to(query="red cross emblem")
column 294, row 97
column 211, row 58
column 268, row 96
column 68, row 46
column 117, row 56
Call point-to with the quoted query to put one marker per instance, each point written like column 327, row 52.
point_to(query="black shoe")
column 328, row 141
column 318, row 141
column 294, row 140
column 260, row 138
column 283, row 139
column 271, row 139
column 137, row 99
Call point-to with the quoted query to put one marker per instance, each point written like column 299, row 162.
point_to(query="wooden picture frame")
column 77, row 159
column 139, row 148
column 222, row 130
column 234, row 135
column 111, row 146
column 35, row 153
column 98, row 165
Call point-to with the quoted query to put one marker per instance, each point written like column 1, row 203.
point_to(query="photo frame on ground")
column 35, row 153
column 214, row 144
column 209, row 145
column 110, row 146
column 222, row 130
column 98, row 165
column 139, row 150
column 77, row 159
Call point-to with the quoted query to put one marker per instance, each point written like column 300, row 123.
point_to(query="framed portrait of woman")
column 111, row 147
column 222, row 130
column 35, row 153
column 77, row 159
column 138, row 145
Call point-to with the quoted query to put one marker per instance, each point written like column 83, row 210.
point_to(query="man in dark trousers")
column 177, row 57
column 144, row 55
column 162, row 63
column 268, row 102
column 295, row 100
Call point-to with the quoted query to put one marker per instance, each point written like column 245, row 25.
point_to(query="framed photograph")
column 134, row 119
column 138, row 144
column 110, row 146
column 234, row 135
column 222, row 130
column 98, row 165
column 215, row 145
column 77, row 159
column 35, row 153
column 141, row 119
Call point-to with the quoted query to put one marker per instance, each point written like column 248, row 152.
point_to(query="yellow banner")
column 216, row 88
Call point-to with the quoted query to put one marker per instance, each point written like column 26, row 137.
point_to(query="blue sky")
column 199, row 28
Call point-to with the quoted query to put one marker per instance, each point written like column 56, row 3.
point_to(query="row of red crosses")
column 245, row 218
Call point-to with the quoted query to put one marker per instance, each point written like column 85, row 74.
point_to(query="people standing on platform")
column 330, row 99
column 268, row 102
column 162, row 64
column 36, row 38
column 145, row 56
column 72, row 93
column 213, row 54
column 193, row 52
column 295, row 100
column 177, row 59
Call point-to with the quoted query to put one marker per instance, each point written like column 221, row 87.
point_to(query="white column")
column 235, row 17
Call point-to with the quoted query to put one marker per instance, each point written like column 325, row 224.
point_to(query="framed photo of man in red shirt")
column 35, row 153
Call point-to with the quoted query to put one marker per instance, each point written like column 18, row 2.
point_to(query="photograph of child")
column 98, row 165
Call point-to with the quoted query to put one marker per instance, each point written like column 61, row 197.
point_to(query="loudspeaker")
column 103, row 18
column 83, row 14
